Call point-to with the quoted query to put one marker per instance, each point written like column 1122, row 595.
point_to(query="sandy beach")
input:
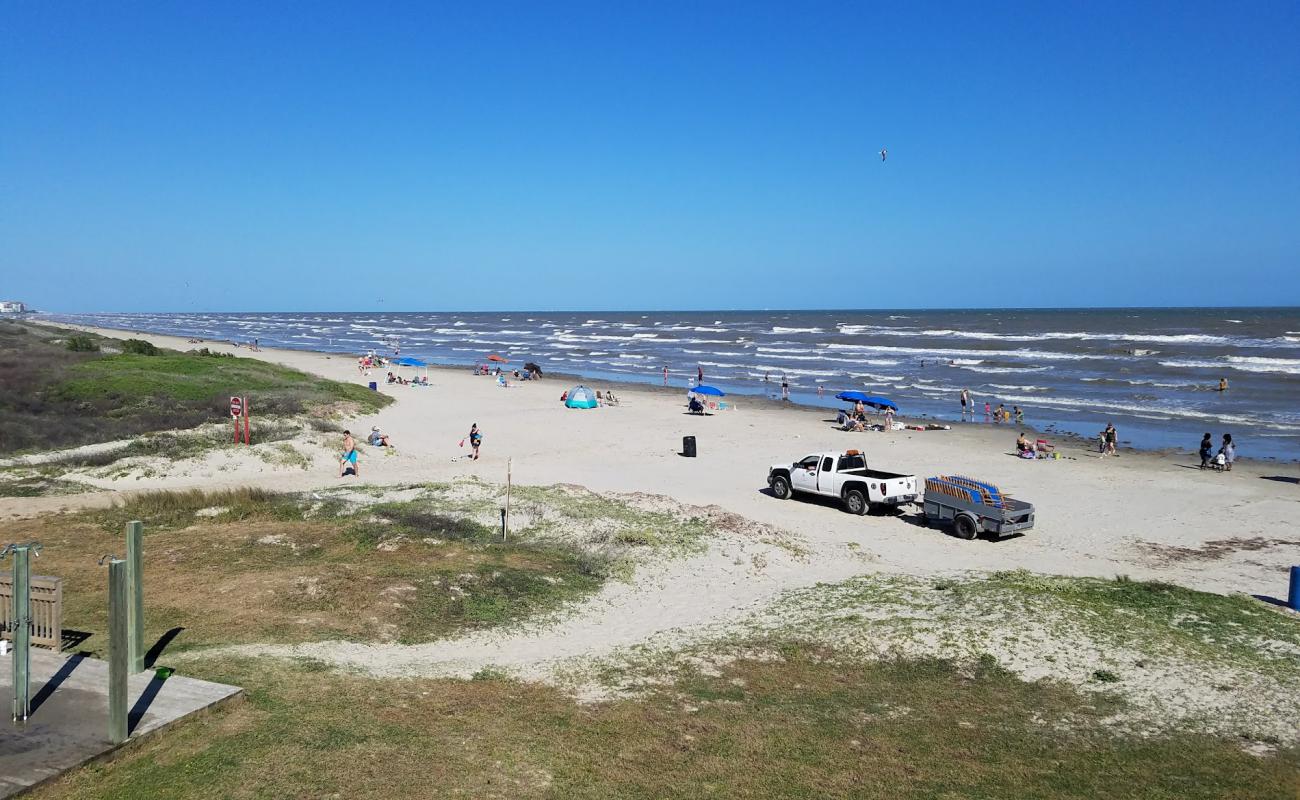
column 1146, row 515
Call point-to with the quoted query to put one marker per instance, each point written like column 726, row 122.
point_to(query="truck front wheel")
column 855, row 502
column 781, row 487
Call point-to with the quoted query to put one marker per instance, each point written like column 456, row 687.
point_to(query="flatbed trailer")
column 971, row 507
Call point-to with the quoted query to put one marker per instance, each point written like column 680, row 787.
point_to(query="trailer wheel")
column 964, row 527
column 855, row 502
column 781, row 487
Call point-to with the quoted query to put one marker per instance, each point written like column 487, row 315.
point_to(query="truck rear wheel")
column 855, row 502
column 781, row 487
column 964, row 527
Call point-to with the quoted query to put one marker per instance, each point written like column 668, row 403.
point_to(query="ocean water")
column 1153, row 372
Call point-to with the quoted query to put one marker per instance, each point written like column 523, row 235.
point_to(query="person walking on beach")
column 1207, row 450
column 889, row 419
column 785, row 388
column 349, row 457
column 965, row 401
column 475, row 440
column 1110, row 439
column 1228, row 451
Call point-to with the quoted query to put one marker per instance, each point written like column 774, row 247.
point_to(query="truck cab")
column 844, row 475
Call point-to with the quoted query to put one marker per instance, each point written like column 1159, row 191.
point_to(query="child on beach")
column 1228, row 451
column 889, row 419
column 988, row 411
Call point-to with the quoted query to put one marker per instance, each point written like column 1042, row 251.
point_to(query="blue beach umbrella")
column 709, row 390
column 867, row 400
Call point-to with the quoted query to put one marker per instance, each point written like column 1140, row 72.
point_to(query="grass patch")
column 251, row 566
column 57, row 397
column 805, row 725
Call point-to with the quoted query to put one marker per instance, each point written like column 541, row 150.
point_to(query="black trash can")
column 688, row 446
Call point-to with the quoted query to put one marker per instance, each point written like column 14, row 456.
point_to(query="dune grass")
column 248, row 566
column 805, row 725
column 57, row 398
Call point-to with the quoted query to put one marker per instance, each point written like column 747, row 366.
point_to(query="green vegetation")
column 82, row 344
column 67, row 390
column 139, row 347
column 345, row 564
column 804, row 725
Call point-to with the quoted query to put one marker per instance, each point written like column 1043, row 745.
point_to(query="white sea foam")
column 779, row 329
column 1284, row 366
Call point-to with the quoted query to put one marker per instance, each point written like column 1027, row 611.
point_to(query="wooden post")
column 22, row 621
column 135, row 594
column 505, row 530
column 118, row 650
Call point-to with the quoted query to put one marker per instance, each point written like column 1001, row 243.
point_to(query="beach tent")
column 413, row 363
column 867, row 400
column 581, row 397
column 709, row 390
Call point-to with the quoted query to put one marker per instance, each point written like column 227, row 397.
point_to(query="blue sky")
column 300, row 156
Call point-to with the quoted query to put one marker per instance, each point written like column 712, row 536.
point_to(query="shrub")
column 82, row 344
column 139, row 347
column 206, row 353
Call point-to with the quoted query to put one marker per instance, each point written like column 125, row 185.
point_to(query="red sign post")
column 239, row 409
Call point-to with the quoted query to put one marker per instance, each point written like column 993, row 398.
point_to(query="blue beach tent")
column 867, row 400
column 408, row 362
column 581, row 397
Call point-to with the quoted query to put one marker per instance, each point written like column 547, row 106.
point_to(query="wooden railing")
column 47, row 609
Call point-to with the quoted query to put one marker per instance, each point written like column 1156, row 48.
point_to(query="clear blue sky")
column 298, row 156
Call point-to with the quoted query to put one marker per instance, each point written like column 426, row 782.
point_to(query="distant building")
column 11, row 307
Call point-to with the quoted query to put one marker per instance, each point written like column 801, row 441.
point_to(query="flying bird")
column 883, row 153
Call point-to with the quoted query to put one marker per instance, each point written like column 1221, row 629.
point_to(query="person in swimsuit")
column 965, row 401
column 1207, row 450
column 349, row 456
column 475, row 439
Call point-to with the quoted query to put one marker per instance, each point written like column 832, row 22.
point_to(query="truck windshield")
column 852, row 462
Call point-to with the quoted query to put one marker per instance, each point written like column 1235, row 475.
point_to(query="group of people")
column 422, row 380
column 371, row 361
column 1223, row 459
column 856, row 420
column 1039, row 448
column 350, row 460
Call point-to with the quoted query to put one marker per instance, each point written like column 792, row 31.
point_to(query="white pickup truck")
column 843, row 475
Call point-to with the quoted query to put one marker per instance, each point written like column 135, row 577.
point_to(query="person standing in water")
column 965, row 401
column 785, row 388
column 665, row 374
column 1223, row 384
column 699, row 375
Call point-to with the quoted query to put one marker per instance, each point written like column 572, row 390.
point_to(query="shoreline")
column 1058, row 437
